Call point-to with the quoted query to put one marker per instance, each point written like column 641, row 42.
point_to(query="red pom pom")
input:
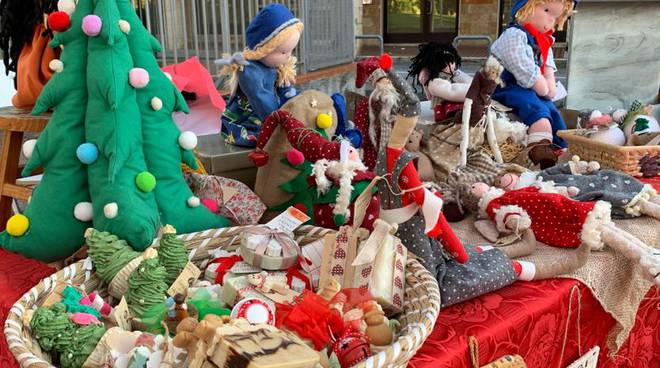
column 301, row 207
column 385, row 62
column 210, row 204
column 295, row 157
column 59, row 21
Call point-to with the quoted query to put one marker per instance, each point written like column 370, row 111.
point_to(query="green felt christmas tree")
column 48, row 229
column 111, row 152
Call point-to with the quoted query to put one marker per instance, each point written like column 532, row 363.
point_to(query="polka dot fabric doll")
column 525, row 51
column 260, row 77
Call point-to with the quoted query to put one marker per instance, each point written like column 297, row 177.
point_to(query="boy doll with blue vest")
column 525, row 51
column 260, row 77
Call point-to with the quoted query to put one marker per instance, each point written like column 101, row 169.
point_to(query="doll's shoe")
column 540, row 153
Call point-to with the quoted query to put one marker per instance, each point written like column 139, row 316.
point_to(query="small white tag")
column 188, row 275
column 588, row 360
column 288, row 220
column 122, row 316
column 561, row 92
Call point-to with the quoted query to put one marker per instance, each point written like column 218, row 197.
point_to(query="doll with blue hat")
column 260, row 78
column 525, row 51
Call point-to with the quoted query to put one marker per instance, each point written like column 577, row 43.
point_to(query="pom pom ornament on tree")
column 210, row 204
column 156, row 104
column 193, row 202
column 188, row 140
column 83, row 211
column 295, row 157
column 18, row 225
column 66, row 6
column 87, row 153
column 124, row 26
column 59, row 21
column 56, row 65
column 145, row 181
column 91, row 25
column 138, row 77
column 110, row 210
column 28, row 147
column 324, row 121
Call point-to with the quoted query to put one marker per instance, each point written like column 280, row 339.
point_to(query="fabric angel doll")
column 562, row 222
column 436, row 69
column 260, row 77
column 525, row 51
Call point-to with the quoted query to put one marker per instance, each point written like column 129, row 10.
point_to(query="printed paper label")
column 122, row 316
column 188, row 275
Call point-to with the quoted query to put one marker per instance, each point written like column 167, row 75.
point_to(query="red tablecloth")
column 529, row 318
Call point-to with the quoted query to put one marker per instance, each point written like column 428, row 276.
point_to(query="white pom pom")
column 619, row 114
column 124, row 26
column 56, row 65
column 28, row 147
column 83, row 211
column 156, row 103
column 168, row 75
column 188, row 140
column 110, row 210
column 67, row 6
column 193, row 201
column 595, row 114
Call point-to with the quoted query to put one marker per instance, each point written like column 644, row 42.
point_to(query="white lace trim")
column 491, row 194
column 502, row 212
column 591, row 229
column 645, row 194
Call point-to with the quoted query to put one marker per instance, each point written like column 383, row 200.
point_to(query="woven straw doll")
column 260, row 77
column 525, row 51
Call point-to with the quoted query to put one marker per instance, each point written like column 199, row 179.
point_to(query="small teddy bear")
column 266, row 283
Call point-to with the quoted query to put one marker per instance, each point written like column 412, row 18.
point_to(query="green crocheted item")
column 82, row 345
column 109, row 253
column 146, row 286
column 173, row 256
column 52, row 327
column 71, row 300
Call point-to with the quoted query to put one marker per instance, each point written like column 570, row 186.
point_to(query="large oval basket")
column 420, row 309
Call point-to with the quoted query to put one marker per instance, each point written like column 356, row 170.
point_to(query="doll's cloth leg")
column 650, row 209
column 530, row 108
column 655, row 199
column 633, row 249
column 639, row 246
column 573, row 260
column 484, row 272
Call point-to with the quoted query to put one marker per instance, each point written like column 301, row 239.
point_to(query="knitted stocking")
column 430, row 203
column 633, row 249
column 650, row 209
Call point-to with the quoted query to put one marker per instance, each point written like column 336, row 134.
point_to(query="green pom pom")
column 340, row 220
column 145, row 181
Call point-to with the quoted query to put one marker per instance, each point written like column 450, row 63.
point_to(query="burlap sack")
column 304, row 107
column 443, row 147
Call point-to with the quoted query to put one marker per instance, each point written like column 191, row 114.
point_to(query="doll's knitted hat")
column 372, row 69
column 268, row 24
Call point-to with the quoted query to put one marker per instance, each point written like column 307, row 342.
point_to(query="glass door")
column 413, row 21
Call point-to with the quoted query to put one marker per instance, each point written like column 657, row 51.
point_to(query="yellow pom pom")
column 324, row 121
column 17, row 225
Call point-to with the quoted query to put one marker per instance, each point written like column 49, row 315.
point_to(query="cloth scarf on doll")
column 512, row 49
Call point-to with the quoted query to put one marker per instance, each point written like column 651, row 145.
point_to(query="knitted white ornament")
column 28, row 147
column 188, row 140
column 156, row 103
column 110, row 210
column 124, row 26
column 56, row 65
column 83, row 211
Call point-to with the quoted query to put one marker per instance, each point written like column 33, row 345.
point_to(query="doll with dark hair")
column 24, row 44
column 436, row 69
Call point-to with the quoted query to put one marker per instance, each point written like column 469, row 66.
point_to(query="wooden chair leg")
column 11, row 150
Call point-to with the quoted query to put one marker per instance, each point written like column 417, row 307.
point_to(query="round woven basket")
column 420, row 309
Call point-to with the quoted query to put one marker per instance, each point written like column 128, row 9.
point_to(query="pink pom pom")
column 210, row 204
column 91, row 25
column 138, row 77
column 295, row 157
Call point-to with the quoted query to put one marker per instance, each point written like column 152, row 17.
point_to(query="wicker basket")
column 421, row 307
column 610, row 156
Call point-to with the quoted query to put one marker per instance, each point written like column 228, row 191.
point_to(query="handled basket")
column 420, row 310
column 622, row 158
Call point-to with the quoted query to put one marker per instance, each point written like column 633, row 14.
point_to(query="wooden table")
column 14, row 123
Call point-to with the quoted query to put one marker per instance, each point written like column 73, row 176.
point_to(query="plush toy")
column 583, row 181
column 424, row 165
column 639, row 121
column 436, row 69
column 525, row 51
column 561, row 222
column 260, row 77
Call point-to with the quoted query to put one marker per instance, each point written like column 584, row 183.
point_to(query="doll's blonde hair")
column 528, row 9
column 286, row 73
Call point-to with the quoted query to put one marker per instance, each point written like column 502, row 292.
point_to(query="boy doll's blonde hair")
column 528, row 9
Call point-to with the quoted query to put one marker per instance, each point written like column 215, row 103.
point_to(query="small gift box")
column 269, row 249
column 369, row 262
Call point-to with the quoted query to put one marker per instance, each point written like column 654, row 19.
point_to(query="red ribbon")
column 224, row 265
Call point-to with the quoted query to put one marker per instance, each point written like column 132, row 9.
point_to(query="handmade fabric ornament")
column 261, row 77
column 146, row 287
column 561, row 222
column 172, row 254
column 525, row 51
